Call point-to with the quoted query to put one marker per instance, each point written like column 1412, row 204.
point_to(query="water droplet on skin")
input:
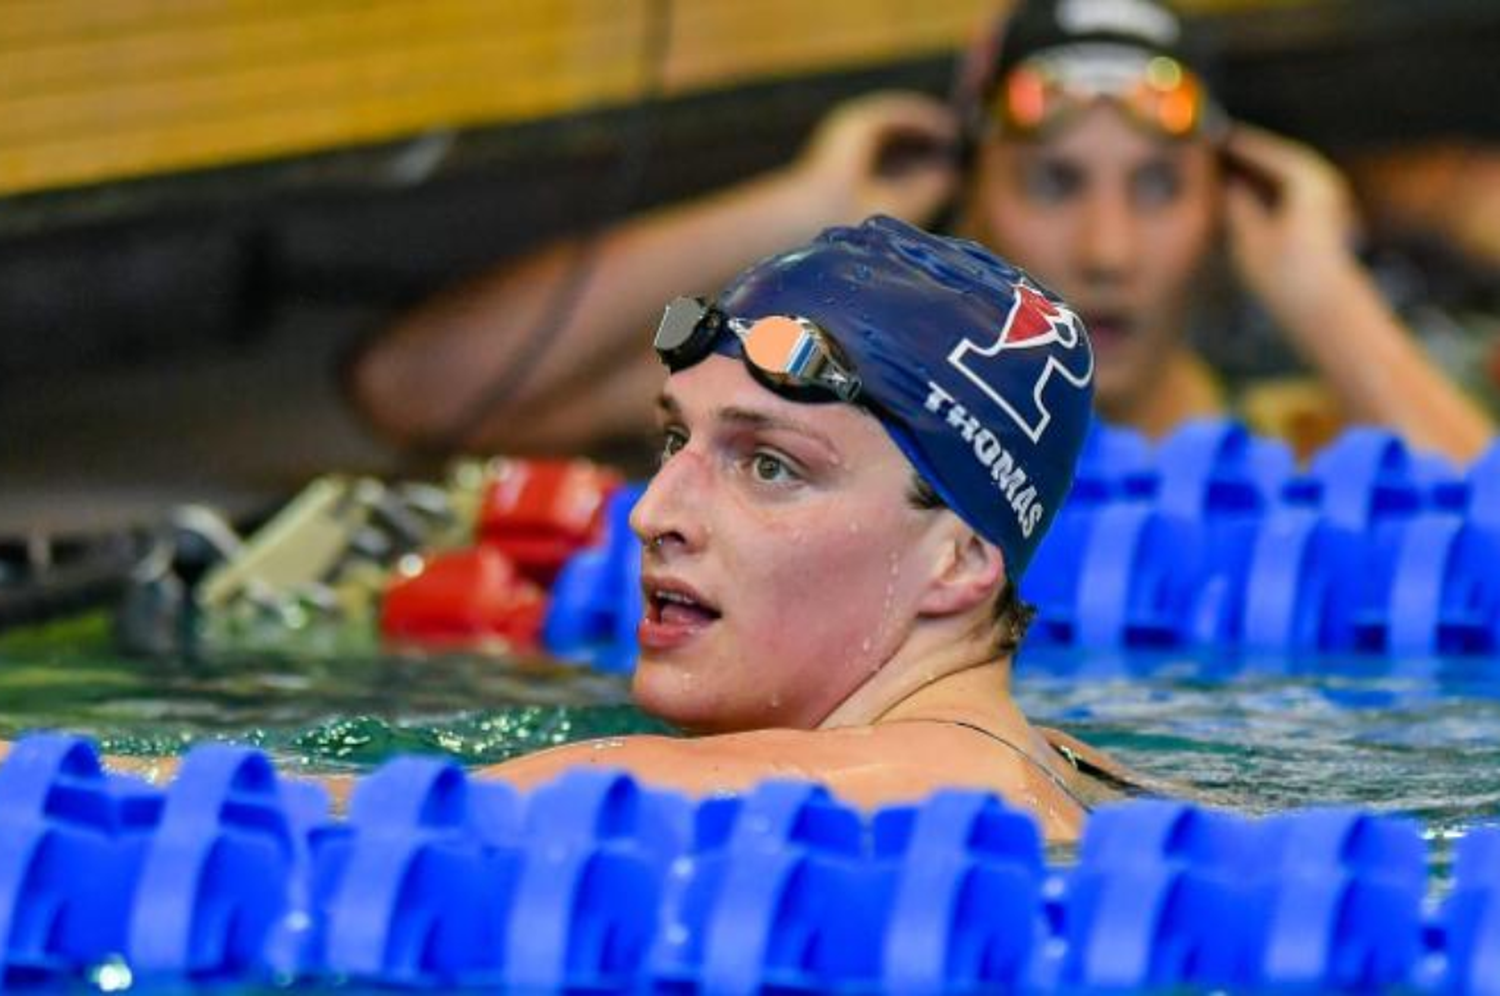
column 610, row 744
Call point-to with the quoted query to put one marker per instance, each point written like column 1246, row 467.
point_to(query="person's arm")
column 466, row 370
column 1289, row 227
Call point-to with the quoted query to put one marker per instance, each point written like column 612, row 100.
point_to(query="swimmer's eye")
column 1052, row 182
column 769, row 468
column 672, row 440
column 1158, row 184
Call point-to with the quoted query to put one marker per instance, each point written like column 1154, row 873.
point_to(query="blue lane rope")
column 594, row 882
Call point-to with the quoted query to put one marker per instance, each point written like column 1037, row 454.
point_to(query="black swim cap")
column 1036, row 27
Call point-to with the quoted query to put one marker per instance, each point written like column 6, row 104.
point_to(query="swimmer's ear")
column 969, row 573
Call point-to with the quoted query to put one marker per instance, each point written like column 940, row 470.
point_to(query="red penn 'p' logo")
column 1034, row 322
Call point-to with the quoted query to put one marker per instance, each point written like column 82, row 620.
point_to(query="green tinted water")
column 349, row 713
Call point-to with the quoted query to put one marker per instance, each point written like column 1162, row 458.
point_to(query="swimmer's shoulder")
column 897, row 762
column 697, row 766
column 863, row 766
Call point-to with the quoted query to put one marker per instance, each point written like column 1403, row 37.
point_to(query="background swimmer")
column 1114, row 187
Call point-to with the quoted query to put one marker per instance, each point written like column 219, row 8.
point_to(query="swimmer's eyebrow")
column 757, row 421
column 748, row 418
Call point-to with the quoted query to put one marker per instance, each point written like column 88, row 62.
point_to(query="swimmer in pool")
column 1082, row 144
column 863, row 441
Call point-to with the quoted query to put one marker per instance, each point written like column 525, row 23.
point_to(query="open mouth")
column 1107, row 329
column 673, row 605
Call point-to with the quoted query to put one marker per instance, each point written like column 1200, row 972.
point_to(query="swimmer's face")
column 783, row 562
column 1119, row 222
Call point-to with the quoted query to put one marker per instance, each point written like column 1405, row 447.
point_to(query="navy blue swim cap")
column 983, row 378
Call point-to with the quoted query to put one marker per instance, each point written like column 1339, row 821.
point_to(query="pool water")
column 346, row 713
column 1421, row 738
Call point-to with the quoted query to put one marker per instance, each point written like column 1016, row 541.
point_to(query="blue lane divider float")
column 1471, row 918
column 607, row 846
column 1372, row 549
column 1323, row 566
column 596, row 600
column 1169, row 570
column 410, row 890
column 595, row 883
column 966, row 910
column 72, row 839
column 1445, row 588
column 222, row 868
column 1169, row 895
column 1211, row 538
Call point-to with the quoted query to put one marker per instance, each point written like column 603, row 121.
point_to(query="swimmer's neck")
column 956, row 687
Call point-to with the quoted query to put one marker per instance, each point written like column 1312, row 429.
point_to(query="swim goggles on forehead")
column 1156, row 92
column 788, row 354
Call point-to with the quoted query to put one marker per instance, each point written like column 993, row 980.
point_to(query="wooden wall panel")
column 100, row 90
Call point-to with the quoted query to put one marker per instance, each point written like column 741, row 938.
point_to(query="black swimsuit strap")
column 1026, row 755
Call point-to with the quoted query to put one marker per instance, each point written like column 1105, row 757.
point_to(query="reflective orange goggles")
column 790, row 355
column 1156, row 92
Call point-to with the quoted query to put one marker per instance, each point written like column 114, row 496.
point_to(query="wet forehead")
column 718, row 394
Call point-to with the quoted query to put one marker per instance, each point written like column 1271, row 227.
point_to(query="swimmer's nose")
column 1107, row 243
column 669, row 515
